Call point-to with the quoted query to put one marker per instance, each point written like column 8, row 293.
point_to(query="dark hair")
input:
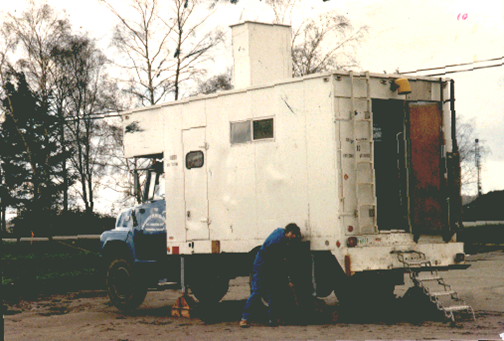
column 292, row 227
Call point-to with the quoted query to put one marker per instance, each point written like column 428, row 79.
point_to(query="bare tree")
column 466, row 144
column 35, row 32
column 142, row 38
column 87, row 93
column 190, row 46
column 325, row 43
column 215, row 83
column 70, row 74
column 282, row 9
column 32, row 36
column 162, row 45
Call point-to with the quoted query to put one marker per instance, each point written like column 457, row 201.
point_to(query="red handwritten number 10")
column 464, row 16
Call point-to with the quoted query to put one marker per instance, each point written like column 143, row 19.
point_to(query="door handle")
column 188, row 214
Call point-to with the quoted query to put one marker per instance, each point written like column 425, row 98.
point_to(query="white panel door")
column 196, row 188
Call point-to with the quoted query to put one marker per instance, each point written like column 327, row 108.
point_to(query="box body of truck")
column 362, row 170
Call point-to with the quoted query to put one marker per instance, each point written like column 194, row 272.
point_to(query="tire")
column 125, row 290
column 210, row 290
column 364, row 299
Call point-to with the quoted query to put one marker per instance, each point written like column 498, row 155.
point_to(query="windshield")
column 153, row 187
column 159, row 187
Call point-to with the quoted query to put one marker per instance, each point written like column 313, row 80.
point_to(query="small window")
column 250, row 130
column 263, row 129
column 194, row 159
column 124, row 219
column 240, row 132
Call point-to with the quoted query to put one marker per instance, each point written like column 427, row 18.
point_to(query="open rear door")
column 426, row 199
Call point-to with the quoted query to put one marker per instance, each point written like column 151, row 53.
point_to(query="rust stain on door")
column 425, row 138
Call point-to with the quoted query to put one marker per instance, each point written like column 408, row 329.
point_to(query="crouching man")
column 269, row 272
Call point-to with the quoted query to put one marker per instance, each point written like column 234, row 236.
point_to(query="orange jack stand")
column 183, row 307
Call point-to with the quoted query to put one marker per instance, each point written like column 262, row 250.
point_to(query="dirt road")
column 88, row 316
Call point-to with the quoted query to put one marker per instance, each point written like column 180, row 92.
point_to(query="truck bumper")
column 366, row 258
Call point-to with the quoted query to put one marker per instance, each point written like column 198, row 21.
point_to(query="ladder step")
column 416, row 262
column 457, row 308
column 443, row 293
column 426, row 279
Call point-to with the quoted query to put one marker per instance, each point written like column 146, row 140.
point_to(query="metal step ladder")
column 361, row 116
column 424, row 276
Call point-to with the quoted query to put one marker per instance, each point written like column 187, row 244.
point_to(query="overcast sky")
column 408, row 35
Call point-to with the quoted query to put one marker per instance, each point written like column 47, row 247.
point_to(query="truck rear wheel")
column 364, row 298
column 125, row 290
column 210, row 290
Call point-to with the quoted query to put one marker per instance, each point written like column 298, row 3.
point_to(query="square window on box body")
column 240, row 132
column 263, row 129
column 246, row 131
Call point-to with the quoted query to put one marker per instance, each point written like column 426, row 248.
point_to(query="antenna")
column 478, row 164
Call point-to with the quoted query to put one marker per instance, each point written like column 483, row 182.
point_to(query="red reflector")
column 175, row 250
column 351, row 242
column 338, row 244
column 350, row 228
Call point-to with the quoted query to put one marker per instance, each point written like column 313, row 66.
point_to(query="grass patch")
column 48, row 267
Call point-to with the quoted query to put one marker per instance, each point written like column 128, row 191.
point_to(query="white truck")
column 366, row 164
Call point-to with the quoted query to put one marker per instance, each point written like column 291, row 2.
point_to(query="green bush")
column 45, row 224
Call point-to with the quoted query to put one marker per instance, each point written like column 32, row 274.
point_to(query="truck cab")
column 134, row 252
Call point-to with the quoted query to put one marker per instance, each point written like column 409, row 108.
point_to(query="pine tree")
column 30, row 154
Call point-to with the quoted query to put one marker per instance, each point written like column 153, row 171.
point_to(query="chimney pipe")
column 261, row 53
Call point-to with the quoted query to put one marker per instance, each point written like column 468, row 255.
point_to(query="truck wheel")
column 124, row 289
column 210, row 290
column 364, row 299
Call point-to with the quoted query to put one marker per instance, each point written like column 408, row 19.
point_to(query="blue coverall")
column 266, row 268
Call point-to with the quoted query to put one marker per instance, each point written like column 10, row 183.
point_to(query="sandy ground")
column 89, row 316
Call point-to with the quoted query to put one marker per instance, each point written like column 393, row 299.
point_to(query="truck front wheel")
column 125, row 290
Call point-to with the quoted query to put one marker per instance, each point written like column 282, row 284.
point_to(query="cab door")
column 196, row 184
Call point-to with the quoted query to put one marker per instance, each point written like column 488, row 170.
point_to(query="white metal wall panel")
column 174, row 175
column 141, row 130
column 232, row 204
column 196, row 114
column 322, row 163
column 280, row 164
